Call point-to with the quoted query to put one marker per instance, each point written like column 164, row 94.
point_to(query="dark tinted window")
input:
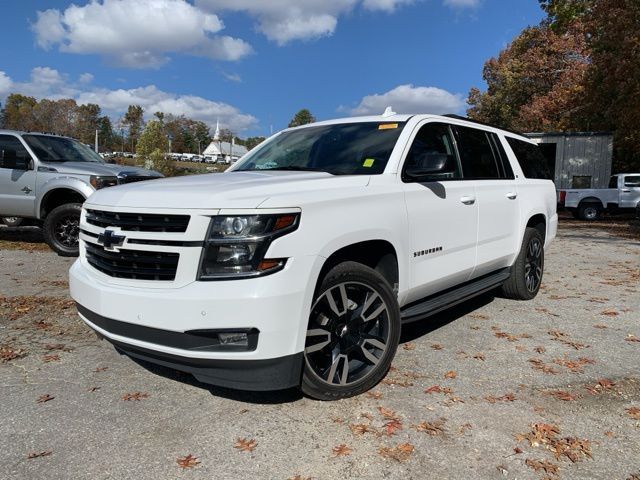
column 434, row 139
column 531, row 160
column 60, row 149
column 632, row 181
column 476, row 154
column 341, row 149
column 613, row 182
column 501, row 154
column 12, row 151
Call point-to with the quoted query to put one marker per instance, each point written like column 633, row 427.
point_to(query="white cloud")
column 5, row 83
column 86, row 78
column 137, row 33
column 46, row 82
column 232, row 77
column 410, row 99
column 462, row 3
column 283, row 21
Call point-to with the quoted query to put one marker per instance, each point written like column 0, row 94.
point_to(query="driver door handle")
column 468, row 200
column 512, row 195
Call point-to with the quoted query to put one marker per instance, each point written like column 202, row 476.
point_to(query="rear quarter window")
column 531, row 160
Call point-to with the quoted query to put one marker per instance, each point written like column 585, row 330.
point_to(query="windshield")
column 60, row 149
column 342, row 149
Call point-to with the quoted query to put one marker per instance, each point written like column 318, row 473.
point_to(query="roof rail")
column 467, row 119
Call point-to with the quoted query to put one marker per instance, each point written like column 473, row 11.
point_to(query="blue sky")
column 253, row 64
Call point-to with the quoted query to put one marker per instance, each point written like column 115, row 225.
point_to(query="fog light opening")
column 238, row 339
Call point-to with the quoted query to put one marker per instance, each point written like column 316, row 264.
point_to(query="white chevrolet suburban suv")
column 299, row 265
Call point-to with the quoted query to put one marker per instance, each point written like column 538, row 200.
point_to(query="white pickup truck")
column 623, row 195
column 299, row 264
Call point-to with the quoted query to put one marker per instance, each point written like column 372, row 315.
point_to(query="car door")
column 17, row 178
column 485, row 163
column 630, row 191
column 442, row 213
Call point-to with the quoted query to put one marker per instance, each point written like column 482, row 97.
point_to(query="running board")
column 441, row 301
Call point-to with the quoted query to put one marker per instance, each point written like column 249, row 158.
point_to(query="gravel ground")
column 491, row 389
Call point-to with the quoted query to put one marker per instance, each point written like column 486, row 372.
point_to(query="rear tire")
column 526, row 273
column 353, row 333
column 62, row 229
column 589, row 211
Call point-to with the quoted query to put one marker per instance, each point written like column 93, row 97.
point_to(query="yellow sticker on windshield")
column 387, row 126
column 368, row 162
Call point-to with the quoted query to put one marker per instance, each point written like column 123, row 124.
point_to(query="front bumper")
column 158, row 324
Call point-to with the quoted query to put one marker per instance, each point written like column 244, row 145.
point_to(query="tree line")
column 66, row 117
column 578, row 70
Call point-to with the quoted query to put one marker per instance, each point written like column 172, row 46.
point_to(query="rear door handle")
column 468, row 200
column 512, row 195
column 625, row 190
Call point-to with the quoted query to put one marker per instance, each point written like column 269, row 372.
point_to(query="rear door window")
column 476, row 154
column 531, row 159
column 632, row 181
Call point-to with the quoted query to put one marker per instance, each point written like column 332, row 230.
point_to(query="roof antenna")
column 388, row 112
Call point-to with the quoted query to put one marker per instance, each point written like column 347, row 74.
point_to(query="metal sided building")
column 579, row 160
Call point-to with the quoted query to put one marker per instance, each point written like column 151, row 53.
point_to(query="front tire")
column 526, row 273
column 62, row 229
column 353, row 333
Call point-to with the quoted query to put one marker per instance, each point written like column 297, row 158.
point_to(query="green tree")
column 561, row 14
column 152, row 148
column 88, row 117
column 303, row 117
column 253, row 142
column 107, row 141
column 134, row 121
column 18, row 112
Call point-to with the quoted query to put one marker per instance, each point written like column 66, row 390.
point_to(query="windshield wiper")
column 295, row 168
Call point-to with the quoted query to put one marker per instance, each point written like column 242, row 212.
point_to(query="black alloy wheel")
column 353, row 333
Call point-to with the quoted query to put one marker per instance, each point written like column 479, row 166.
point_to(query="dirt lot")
column 492, row 389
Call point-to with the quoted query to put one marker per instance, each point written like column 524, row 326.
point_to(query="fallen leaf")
column 600, row 326
column 391, row 426
column 538, row 364
column 245, row 444
column 360, row 429
column 438, row 389
column 93, row 389
column 610, row 312
column 45, row 398
column 632, row 338
column 299, row 477
column 101, row 369
column 51, row 358
column 9, row 353
column 44, row 453
column 537, row 465
column 436, row 346
column 399, row 453
column 377, row 395
column 341, row 450
column 409, row 346
column 509, row 397
column 434, row 428
column 517, row 450
column 451, row 374
column 479, row 356
column 188, row 462
column 563, row 395
column 388, row 413
column 539, row 349
column 634, row 412
column 136, row 396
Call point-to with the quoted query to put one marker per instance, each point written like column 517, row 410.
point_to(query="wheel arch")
column 539, row 222
column 595, row 200
column 58, row 195
column 379, row 254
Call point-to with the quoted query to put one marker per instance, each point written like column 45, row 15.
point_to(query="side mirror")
column 429, row 164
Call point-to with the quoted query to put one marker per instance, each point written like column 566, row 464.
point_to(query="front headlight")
column 100, row 181
column 236, row 245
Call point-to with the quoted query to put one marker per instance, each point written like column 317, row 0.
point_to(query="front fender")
column 59, row 183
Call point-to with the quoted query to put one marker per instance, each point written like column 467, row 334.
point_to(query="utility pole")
column 96, row 141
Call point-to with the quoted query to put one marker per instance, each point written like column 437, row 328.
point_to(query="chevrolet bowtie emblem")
column 109, row 240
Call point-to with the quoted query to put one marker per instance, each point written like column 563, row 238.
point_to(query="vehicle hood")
column 222, row 190
column 94, row 168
